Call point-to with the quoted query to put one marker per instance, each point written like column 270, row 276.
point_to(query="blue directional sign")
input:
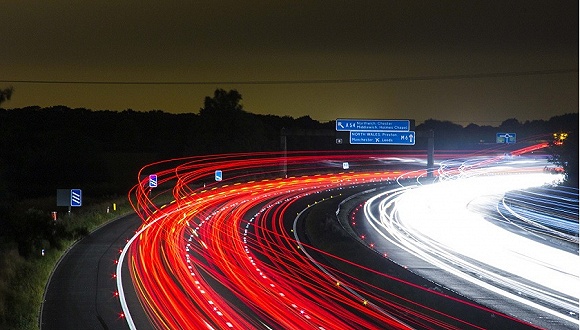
column 153, row 181
column 76, row 197
column 218, row 175
column 372, row 125
column 505, row 138
column 376, row 137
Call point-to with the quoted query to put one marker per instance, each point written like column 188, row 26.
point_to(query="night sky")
column 465, row 61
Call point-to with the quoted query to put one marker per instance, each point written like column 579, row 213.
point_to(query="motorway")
column 246, row 252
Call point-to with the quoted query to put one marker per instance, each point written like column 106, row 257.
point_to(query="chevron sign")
column 76, row 197
column 153, row 181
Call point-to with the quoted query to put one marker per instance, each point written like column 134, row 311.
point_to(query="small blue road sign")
column 76, row 197
column 377, row 137
column 218, row 175
column 505, row 137
column 373, row 125
column 153, row 181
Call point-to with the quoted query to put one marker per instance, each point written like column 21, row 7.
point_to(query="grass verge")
column 23, row 280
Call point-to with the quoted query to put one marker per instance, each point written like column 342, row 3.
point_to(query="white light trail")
column 436, row 223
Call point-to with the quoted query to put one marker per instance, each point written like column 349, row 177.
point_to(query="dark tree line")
column 453, row 136
column 44, row 149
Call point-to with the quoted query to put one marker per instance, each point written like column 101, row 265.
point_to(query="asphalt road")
column 81, row 291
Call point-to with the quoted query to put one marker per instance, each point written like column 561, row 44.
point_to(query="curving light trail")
column 224, row 254
column 457, row 225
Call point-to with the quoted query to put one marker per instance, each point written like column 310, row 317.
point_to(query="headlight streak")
column 423, row 228
column 540, row 212
column 229, row 239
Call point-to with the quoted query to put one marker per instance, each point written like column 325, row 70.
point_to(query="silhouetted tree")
column 566, row 155
column 222, row 102
column 6, row 94
column 226, row 126
column 510, row 125
column 447, row 133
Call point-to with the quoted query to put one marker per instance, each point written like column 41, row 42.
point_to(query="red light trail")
column 224, row 254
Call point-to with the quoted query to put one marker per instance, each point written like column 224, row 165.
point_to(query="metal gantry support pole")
column 430, row 153
column 430, row 135
column 284, row 147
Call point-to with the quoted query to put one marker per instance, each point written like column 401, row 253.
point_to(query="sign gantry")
column 377, row 131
